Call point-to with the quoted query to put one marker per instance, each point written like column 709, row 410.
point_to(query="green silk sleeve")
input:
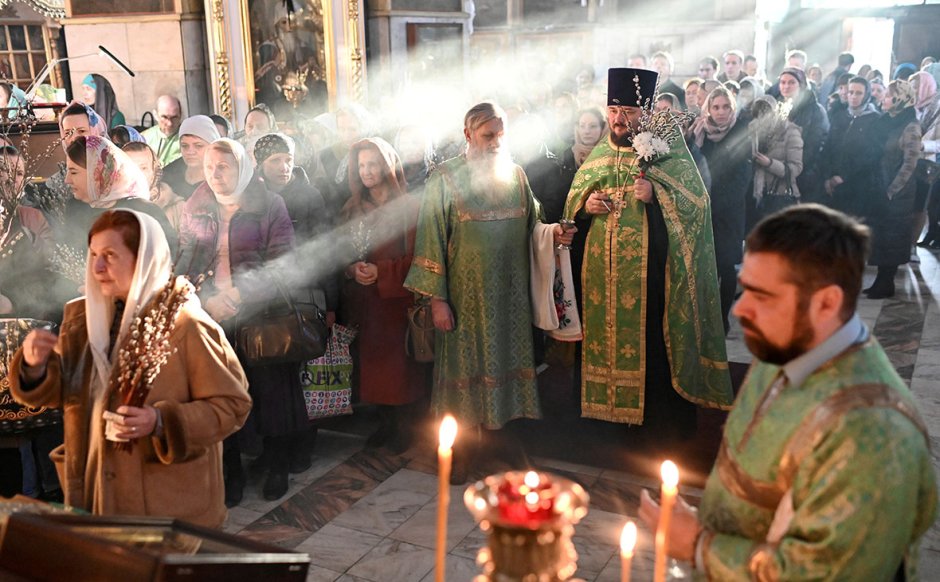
column 428, row 273
column 861, row 499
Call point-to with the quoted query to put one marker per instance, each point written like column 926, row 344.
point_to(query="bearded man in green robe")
column 824, row 470
column 653, row 338
column 471, row 259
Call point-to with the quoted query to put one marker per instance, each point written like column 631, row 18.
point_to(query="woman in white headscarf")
column 230, row 228
column 103, row 176
column 173, row 467
column 185, row 174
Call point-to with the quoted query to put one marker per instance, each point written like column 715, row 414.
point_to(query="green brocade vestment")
column 472, row 249
column 849, row 447
column 615, row 285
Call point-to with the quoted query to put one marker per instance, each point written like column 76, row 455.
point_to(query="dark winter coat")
column 729, row 162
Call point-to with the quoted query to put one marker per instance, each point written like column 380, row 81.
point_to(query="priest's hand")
column 563, row 234
column 597, row 203
column 683, row 530
column 6, row 306
column 643, row 190
column 442, row 315
column 138, row 422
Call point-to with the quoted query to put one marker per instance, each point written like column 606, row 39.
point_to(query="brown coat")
column 201, row 393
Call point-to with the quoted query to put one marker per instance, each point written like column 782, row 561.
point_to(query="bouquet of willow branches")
column 362, row 239
column 69, row 263
column 146, row 348
column 656, row 131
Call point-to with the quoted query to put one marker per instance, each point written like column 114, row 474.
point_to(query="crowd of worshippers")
column 230, row 202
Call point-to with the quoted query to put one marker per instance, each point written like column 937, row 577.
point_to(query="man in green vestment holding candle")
column 471, row 260
column 824, row 470
column 653, row 339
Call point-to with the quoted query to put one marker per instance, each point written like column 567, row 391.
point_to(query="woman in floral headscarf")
column 376, row 300
column 103, row 177
column 893, row 211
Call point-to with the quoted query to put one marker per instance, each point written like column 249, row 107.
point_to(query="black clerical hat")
column 624, row 84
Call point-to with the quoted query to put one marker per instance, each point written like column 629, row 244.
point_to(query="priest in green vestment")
column 653, row 339
column 824, row 470
column 472, row 260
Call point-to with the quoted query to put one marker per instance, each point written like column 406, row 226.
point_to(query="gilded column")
column 355, row 50
column 220, row 60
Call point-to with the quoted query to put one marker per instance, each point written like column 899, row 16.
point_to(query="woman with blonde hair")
column 723, row 140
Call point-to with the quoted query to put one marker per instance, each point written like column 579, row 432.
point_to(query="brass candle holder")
column 529, row 518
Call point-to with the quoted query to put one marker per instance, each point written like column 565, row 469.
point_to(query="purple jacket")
column 260, row 230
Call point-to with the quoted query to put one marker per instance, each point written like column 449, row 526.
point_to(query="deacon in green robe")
column 824, row 470
column 653, row 339
column 472, row 259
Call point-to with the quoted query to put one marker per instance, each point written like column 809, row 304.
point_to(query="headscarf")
column 200, row 126
column 360, row 202
column 926, row 90
column 904, row 71
column 105, row 101
column 704, row 126
column 151, row 273
column 132, row 133
column 768, row 128
column 903, row 96
column 270, row 144
column 112, row 176
column 245, row 171
column 95, row 123
column 797, row 74
column 934, row 71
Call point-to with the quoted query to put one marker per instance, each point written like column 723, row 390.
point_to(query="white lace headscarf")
column 151, row 273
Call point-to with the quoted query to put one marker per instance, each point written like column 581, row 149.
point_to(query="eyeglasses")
column 169, row 117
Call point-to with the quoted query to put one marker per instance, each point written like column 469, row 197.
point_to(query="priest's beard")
column 625, row 137
column 490, row 173
column 800, row 339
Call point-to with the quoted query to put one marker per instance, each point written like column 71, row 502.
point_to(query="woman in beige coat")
column 173, row 467
column 778, row 158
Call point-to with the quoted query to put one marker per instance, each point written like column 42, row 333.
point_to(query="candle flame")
column 670, row 474
column 531, row 479
column 628, row 539
column 448, row 432
column 532, row 498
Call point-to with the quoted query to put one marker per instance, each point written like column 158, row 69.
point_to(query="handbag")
column 419, row 337
column 288, row 331
column 771, row 201
column 327, row 380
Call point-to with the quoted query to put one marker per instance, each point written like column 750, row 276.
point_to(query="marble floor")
column 368, row 515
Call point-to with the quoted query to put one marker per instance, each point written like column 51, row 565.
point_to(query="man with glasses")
column 164, row 137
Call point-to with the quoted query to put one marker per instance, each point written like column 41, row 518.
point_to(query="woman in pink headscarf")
column 927, row 107
column 104, row 177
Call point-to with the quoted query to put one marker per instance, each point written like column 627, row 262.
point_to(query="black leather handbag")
column 285, row 331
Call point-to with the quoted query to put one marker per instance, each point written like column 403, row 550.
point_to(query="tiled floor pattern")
column 367, row 515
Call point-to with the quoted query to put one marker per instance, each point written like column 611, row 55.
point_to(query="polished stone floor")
column 368, row 515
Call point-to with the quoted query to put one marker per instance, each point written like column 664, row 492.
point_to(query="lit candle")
column 667, row 500
column 447, row 436
column 627, row 543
